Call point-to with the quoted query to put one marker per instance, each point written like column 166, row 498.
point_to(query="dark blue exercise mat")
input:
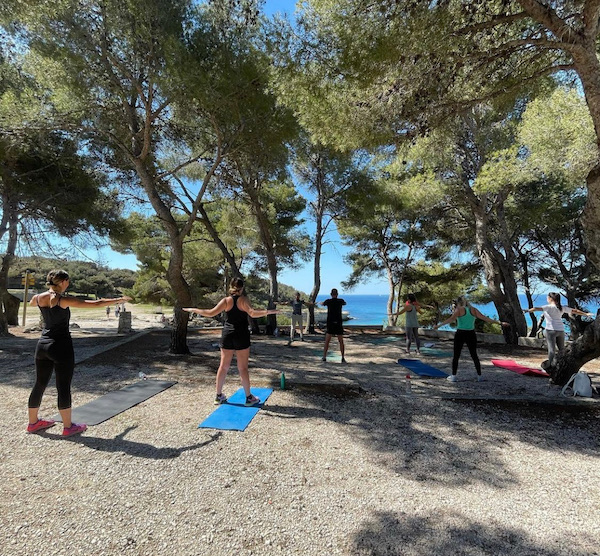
column 420, row 368
column 234, row 415
column 113, row 403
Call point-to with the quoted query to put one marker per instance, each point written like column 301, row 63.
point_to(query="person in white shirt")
column 555, row 327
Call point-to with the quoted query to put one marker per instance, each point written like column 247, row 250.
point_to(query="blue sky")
column 333, row 268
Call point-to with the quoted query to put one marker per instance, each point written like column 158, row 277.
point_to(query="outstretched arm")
column 450, row 319
column 89, row 303
column 532, row 309
column 218, row 308
column 481, row 316
column 244, row 305
column 581, row 313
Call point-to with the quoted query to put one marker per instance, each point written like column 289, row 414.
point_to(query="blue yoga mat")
column 420, row 368
column 234, row 415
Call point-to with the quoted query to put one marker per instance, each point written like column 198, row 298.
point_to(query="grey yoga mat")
column 113, row 403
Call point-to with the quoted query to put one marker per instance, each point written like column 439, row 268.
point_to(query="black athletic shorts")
column 235, row 338
column 335, row 328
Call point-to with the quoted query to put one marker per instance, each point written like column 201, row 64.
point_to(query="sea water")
column 372, row 309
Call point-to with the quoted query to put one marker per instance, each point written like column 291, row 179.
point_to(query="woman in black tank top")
column 54, row 351
column 235, row 338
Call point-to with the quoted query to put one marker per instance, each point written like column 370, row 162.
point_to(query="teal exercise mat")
column 435, row 352
column 234, row 415
column 103, row 408
column 420, row 368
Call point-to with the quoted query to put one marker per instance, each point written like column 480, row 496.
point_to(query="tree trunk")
column 174, row 276
column 10, row 219
column 217, row 241
column 527, row 286
column 316, row 270
column 587, row 65
column 591, row 216
column 506, row 302
column 11, row 308
column 576, row 354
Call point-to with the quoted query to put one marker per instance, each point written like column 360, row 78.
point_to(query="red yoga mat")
column 516, row 368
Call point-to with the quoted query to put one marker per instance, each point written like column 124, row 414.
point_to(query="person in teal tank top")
column 465, row 316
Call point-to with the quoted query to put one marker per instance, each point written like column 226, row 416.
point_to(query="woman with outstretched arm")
column 235, row 338
column 465, row 316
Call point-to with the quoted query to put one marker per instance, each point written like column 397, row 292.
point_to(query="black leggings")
column 468, row 337
column 58, row 356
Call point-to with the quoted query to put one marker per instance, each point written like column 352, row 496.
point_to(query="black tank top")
column 56, row 321
column 236, row 318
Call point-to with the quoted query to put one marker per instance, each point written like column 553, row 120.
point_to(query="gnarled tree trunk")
column 576, row 354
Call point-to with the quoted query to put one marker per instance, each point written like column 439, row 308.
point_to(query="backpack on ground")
column 580, row 384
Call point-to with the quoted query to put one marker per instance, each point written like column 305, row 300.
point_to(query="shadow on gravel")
column 131, row 448
column 454, row 443
column 389, row 534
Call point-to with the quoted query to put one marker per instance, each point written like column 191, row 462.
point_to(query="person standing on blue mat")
column 335, row 322
column 235, row 338
column 54, row 351
column 465, row 315
column 555, row 327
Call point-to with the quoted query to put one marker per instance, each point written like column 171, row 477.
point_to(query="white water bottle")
column 408, row 384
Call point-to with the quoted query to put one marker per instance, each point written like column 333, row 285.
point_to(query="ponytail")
column 236, row 286
column 556, row 298
column 55, row 277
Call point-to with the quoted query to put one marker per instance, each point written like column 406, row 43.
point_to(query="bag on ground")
column 580, row 384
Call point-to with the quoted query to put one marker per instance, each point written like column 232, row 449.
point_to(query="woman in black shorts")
column 54, row 351
column 235, row 338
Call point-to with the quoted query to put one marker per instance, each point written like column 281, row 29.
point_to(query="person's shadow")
column 129, row 447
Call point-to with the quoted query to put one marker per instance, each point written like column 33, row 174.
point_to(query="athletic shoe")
column 344, row 361
column 451, row 378
column 40, row 425
column 323, row 358
column 74, row 429
column 252, row 400
column 480, row 378
column 220, row 398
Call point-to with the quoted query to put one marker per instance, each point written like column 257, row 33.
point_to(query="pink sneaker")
column 40, row 425
column 74, row 429
column 251, row 400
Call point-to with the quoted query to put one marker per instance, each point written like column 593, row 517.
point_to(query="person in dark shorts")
column 235, row 338
column 54, row 351
column 335, row 323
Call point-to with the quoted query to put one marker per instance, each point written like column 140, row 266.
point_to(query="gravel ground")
column 342, row 462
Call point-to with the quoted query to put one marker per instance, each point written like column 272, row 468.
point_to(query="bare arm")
column 401, row 312
column 532, row 309
column 481, row 316
column 450, row 319
column 581, row 313
column 244, row 305
column 90, row 303
column 218, row 308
